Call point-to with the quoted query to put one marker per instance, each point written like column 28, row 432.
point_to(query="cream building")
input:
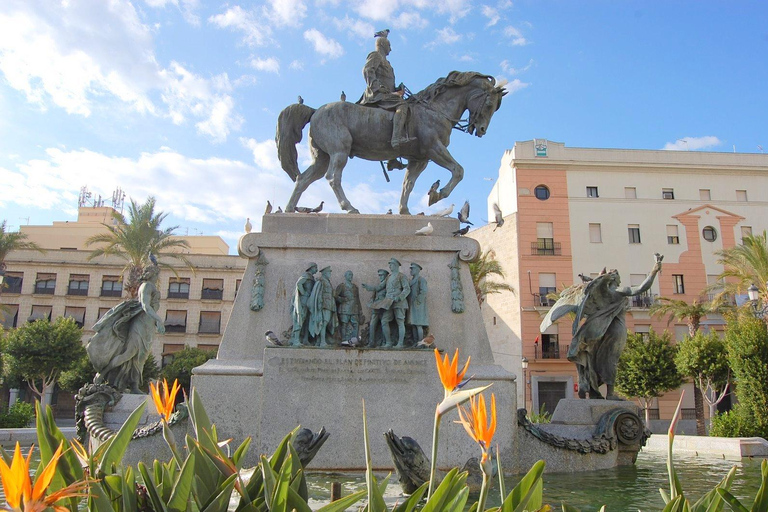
column 61, row 282
column 571, row 211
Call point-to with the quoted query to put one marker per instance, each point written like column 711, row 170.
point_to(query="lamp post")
column 524, row 363
column 754, row 297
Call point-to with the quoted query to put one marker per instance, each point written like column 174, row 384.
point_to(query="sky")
column 179, row 99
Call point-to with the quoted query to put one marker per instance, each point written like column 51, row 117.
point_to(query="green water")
column 620, row 489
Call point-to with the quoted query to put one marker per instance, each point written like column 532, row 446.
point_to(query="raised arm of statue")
column 145, row 299
column 645, row 285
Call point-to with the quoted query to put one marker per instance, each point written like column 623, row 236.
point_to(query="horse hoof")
column 353, row 210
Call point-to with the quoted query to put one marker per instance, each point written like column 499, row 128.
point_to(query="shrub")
column 19, row 415
column 183, row 362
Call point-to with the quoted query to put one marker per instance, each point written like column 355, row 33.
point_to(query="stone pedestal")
column 265, row 392
column 586, row 435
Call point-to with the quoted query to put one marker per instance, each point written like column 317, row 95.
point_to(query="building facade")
column 571, row 211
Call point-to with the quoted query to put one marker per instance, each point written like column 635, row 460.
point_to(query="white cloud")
column 693, row 143
column 376, row 10
column 61, row 54
column 492, row 14
column 445, row 36
column 270, row 64
column 355, row 27
column 409, row 19
column 188, row 8
column 264, row 153
column 255, row 31
column 456, row 9
column 324, row 45
column 515, row 35
column 287, row 12
column 506, row 67
column 296, row 65
column 516, row 85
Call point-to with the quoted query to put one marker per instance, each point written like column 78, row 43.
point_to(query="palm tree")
column 745, row 264
column 691, row 314
column 133, row 240
column 13, row 241
column 481, row 270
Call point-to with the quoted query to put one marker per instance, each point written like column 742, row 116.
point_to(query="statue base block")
column 587, row 435
column 317, row 388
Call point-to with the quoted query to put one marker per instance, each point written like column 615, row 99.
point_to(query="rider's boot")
column 399, row 134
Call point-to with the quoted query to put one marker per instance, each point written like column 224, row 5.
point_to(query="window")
column 175, row 321
column 209, row 347
column 168, row 350
column 102, row 312
column 77, row 314
column 45, row 283
column 9, row 316
column 595, row 236
column 630, row 192
column 210, row 322
column 667, row 193
column 634, row 233
column 592, row 192
column 644, row 300
column 40, row 312
column 78, row 284
column 673, row 238
column 12, row 282
column 545, row 243
column 705, row 194
column 741, row 196
column 212, row 289
column 178, row 288
column 709, row 234
column 541, row 192
column 547, row 285
column 745, row 232
column 111, row 286
column 237, row 286
column 678, row 283
column 550, row 349
column 643, row 330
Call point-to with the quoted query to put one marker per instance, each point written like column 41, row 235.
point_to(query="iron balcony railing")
column 552, row 351
column 546, row 248
column 209, row 294
column 179, row 295
column 644, row 300
column 111, row 293
column 543, row 300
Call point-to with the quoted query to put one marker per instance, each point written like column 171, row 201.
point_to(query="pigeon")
column 382, row 33
column 464, row 214
column 433, row 192
column 420, row 213
column 248, row 226
column 343, row 96
column 499, row 220
column 153, row 258
column 461, row 232
column 427, row 342
column 301, row 100
column 318, row 208
column 389, row 212
column 353, row 342
column 584, row 279
column 279, row 209
column 269, row 208
column 426, row 230
column 272, row 339
column 302, row 209
column 444, row 213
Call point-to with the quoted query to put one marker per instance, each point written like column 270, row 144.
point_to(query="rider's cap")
column 393, row 260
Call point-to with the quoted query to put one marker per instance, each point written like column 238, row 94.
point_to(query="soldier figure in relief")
column 398, row 288
column 418, row 315
column 300, row 307
column 379, row 295
column 322, row 308
column 348, row 305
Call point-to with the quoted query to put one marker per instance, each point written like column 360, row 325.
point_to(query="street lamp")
column 524, row 362
column 754, row 297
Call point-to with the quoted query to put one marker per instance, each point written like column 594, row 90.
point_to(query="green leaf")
column 128, row 490
column 151, row 486
column 280, row 497
column 529, row 486
column 410, row 504
column 200, row 421
column 712, row 502
column 237, row 457
column 113, row 454
column 568, row 508
column 731, row 500
column 676, row 505
column 98, row 500
column 459, row 501
column 295, row 502
column 441, row 494
column 761, row 498
column 183, row 486
column 502, row 489
column 221, row 502
column 375, row 495
column 347, row 501
column 270, row 480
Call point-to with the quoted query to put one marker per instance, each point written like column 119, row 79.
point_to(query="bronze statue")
column 300, row 306
column 123, row 339
column 376, row 304
column 599, row 340
column 348, row 306
column 322, row 308
column 398, row 288
column 418, row 315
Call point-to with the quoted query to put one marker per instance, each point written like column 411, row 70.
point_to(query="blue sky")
column 179, row 98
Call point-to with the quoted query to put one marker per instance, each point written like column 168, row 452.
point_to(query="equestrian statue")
column 385, row 126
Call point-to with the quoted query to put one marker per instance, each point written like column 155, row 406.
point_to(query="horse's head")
column 483, row 103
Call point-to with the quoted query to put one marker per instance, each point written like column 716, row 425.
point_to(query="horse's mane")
column 454, row 79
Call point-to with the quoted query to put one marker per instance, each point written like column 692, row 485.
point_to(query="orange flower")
column 165, row 400
column 476, row 423
column 17, row 484
column 449, row 371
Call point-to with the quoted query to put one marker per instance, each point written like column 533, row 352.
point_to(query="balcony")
column 546, row 247
column 643, row 301
column 552, row 351
column 81, row 292
column 209, row 294
column 175, row 328
column 179, row 295
column 111, row 293
column 43, row 289
column 687, row 414
column 541, row 300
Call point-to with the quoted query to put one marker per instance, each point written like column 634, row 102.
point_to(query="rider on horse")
column 380, row 88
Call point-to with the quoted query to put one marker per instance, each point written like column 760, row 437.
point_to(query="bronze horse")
column 341, row 130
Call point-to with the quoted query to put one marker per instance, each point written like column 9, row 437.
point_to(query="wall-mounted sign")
column 541, row 146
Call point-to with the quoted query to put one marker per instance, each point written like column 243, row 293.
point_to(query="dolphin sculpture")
column 307, row 444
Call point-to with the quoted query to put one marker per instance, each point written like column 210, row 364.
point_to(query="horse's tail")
column 290, row 124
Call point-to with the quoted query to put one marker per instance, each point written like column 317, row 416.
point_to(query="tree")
column 37, row 352
column 13, row 241
column 82, row 373
column 704, row 359
column 691, row 314
column 183, row 362
column 646, row 369
column 480, row 270
column 744, row 265
column 747, row 341
column 133, row 240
